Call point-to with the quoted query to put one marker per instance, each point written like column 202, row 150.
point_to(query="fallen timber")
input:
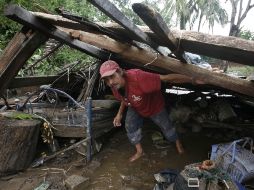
column 18, row 82
column 15, row 56
column 156, row 23
column 24, row 17
column 144, row 57
column 112, row 12
column 216, row 46
column 130, row 53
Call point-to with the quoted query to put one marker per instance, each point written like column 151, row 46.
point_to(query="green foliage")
column 241, row 70
column 18, row 115
column 191, row 11
column 65, row 55
column 246, row 34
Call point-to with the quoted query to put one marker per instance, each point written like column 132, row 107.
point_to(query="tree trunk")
column 18, row 144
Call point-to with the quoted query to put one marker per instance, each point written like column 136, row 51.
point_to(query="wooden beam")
column 221, row 47
column 156, row 23
column 144, row 57
column 94, row 26
column 12, row 48
column 216, row 46
column 18, row 82
column 23, row 53
column 112, row 11
column 24, row 17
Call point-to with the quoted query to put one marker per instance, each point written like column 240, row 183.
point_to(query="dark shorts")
column 134, row 123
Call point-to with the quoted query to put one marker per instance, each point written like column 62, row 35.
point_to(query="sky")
column 247, row 24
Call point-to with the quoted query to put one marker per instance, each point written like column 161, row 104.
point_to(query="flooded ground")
column 110, row 168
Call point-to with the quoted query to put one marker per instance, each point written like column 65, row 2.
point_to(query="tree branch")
column 240, row 12
column 245, row 13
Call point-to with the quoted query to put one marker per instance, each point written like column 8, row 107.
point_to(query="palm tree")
column 212, row 11
column 183, row 9
column 190, row 11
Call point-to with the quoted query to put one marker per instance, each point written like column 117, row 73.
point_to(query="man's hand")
column 117, row 120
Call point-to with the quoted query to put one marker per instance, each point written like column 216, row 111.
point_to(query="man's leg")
column 133, row 124
column 163, row 121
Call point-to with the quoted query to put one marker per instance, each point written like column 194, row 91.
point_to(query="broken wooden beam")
column 94, row 26
column 12, row 48
column 156, row 23
column 115, row 14
column 147, row 58
column 216, row 46
column 220, row 47
column 15, row 60
column 24, row 17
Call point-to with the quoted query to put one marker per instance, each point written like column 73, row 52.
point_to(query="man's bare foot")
column 136, row 156
column 179, row 147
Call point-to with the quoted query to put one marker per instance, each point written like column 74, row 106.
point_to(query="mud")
column 110, row 168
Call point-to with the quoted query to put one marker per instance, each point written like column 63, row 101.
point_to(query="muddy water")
column 115, row 172
column 110, row 168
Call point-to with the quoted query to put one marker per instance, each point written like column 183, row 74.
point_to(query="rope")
column 152, row 60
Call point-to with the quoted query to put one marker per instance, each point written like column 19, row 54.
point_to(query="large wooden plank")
column 93, row 26
column 156, row 23
column 12, row 48
column 221, row 47
column 115, row 14
column 24, row 17
column 144, row 57
column 19, row 82
column 23, row 53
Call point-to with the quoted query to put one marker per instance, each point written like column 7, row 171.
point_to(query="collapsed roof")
column 122, row 42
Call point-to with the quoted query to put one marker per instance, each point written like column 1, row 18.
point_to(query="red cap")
column 108, row 68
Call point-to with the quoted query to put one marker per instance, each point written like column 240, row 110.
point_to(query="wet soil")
column 110, row 168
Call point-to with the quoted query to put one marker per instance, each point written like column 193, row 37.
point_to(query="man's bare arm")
column 178, row 78
column 119, row 115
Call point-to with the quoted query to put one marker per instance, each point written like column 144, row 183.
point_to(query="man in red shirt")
column 140, row 91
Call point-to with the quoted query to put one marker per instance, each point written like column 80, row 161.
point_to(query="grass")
column 241, row 70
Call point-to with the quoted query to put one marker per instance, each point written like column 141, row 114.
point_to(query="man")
column 140, row 91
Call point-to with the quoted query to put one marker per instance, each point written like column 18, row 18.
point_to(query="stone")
column 76, row 182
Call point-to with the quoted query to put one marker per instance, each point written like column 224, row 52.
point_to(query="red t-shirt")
column 142, row 92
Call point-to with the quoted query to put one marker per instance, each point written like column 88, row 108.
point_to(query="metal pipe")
column 88, row 112
column 88, row 106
